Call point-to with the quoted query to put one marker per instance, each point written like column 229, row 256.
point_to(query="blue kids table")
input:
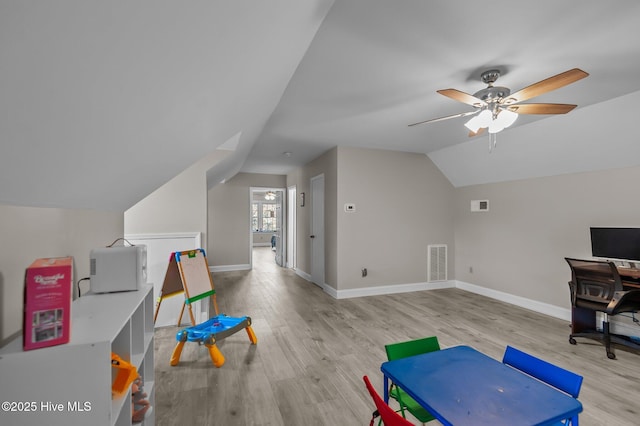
column 461, row 386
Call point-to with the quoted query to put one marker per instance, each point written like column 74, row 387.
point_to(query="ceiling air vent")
column 479, row 205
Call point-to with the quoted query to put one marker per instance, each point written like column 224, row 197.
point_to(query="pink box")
column 47, row 302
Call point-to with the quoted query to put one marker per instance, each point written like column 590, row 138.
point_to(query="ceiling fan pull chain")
column 492, row 141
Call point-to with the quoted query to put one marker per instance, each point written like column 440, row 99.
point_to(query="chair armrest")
column 624, row 301
column 613, row 304
column 572, row 289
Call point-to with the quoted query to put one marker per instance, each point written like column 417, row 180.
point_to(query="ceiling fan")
column 497, row 108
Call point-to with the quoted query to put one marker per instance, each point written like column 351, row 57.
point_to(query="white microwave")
column 118, row 268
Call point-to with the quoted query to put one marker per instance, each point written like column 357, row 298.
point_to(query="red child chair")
column 387, row 414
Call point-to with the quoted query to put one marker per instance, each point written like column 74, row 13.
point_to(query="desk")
column 630, row 277
column 461, row 386
column 628, row 272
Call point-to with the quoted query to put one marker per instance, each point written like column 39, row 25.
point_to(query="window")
column 263, row 217
column 255, row 219
column 268, row 217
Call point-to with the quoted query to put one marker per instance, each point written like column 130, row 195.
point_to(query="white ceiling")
column 375, row 65
column 102, row 102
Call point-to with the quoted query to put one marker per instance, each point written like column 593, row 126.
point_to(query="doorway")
column 267, row 218
column 317, row 230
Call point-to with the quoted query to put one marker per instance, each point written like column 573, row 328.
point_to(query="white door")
column 280, row 231
column 317, row 230
column 291, row 227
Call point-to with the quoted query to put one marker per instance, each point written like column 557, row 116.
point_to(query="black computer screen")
column 616, row 243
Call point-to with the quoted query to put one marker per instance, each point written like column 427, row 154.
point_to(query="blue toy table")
column 461, row 386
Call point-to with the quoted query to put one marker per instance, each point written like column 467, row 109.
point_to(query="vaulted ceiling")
column 103, row 102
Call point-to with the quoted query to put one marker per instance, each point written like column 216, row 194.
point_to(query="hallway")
column 264, row 260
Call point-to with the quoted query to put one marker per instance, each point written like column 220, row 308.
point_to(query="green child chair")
column 403, row 350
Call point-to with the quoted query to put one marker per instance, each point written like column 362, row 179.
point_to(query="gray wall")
column 179, row 205
column 519, row 245
column 228, row 217
column 28, row 233
column 326, row 165
column 403, row 204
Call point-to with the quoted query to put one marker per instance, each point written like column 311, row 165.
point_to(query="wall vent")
column 479, row 205
column 437, row 262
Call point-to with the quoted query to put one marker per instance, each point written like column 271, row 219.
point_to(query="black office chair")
column 596, row 287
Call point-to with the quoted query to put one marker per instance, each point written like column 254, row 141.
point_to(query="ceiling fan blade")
column 463, row 97
column 541, row 108
column 547, row 85
column 462, row 114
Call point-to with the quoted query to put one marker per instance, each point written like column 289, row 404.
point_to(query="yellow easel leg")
column 216, row 356
column 175, row 356
column 155, row 315
column 193, row 319
column 252, row 335
column 180, row 316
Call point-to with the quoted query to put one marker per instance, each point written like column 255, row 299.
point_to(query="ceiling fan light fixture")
column 506, row 118
column 485, row 118
column 473, row 124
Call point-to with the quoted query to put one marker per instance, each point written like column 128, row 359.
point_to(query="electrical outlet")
column 349, row 207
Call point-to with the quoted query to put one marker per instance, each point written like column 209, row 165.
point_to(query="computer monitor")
column 616, row 243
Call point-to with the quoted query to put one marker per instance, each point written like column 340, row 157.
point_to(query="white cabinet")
column 71, row 384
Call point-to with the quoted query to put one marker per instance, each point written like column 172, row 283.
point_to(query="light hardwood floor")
column 313, row 350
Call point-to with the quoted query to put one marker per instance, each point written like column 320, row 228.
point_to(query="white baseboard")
column 303, row 275
column 229, row 268
column 377, row 290
column 10, row 338
column 533, row 305
column 618, row 326
column 389, row 289
column 325, row 287
column 330, row 291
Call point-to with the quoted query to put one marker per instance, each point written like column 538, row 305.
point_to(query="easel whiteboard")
column 159, row 249
column 196, row 277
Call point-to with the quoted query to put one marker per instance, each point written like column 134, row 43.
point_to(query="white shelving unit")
column 71, row 384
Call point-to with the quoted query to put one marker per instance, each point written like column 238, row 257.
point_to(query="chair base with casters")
column 605, row 336
column 208, row 332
